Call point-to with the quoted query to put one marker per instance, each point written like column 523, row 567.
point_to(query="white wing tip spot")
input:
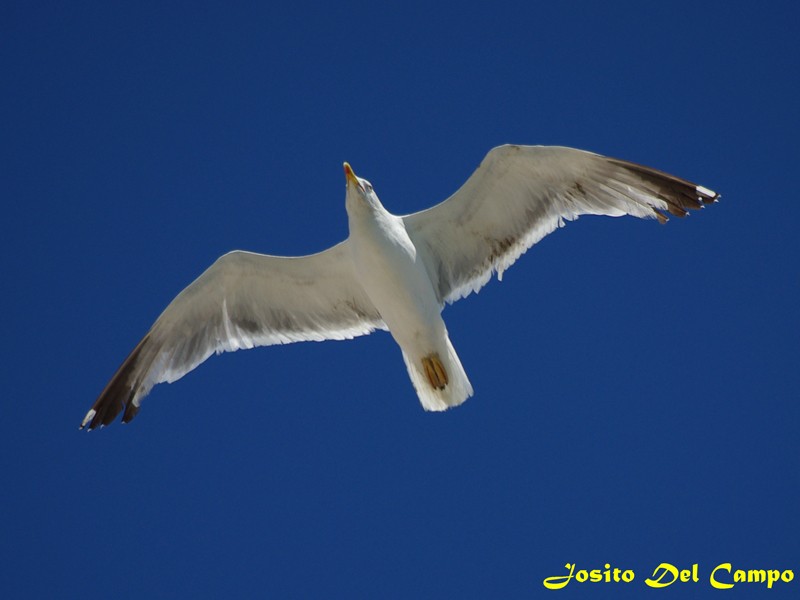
column 704, row 191
column 89, row 416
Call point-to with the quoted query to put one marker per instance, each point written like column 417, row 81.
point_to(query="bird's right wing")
column 243, row 300
column 519, row 194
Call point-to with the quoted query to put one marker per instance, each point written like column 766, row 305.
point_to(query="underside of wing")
column 243, row 300
column 519, row 194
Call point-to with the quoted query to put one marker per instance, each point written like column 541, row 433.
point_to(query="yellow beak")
column 350, row 175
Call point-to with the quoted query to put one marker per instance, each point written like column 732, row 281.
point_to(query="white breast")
column 394, row 277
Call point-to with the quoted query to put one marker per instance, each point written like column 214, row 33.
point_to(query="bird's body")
column 393, row 272
column 394, row 277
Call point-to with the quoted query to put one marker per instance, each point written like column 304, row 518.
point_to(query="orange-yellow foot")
column 434, row 371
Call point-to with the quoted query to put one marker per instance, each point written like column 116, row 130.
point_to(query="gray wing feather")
column 519, row 194
column 243, row 300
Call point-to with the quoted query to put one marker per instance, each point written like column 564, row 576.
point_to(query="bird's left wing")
column 243, row 300
column 519, row 194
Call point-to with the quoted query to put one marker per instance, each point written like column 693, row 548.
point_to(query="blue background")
column 636, row 384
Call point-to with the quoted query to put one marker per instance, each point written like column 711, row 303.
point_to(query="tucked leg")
column 435, row 371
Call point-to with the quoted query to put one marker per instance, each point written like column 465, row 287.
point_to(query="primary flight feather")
column 392, row 272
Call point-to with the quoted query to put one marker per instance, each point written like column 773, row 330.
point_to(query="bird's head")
column 359, row 192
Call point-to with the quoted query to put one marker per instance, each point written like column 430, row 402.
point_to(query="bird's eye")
column 368, row 186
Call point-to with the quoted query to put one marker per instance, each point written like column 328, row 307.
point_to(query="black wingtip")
column 118, row 394
column 680, row 195
column 131, row 410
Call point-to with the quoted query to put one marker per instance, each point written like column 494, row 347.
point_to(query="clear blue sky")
column 636, row 387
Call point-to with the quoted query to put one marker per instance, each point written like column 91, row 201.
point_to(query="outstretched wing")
column 519, row 194
column 243, row 300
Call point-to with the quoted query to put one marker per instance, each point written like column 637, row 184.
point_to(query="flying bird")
column 394, row 273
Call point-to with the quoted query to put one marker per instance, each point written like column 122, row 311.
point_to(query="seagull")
column 393, row 272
